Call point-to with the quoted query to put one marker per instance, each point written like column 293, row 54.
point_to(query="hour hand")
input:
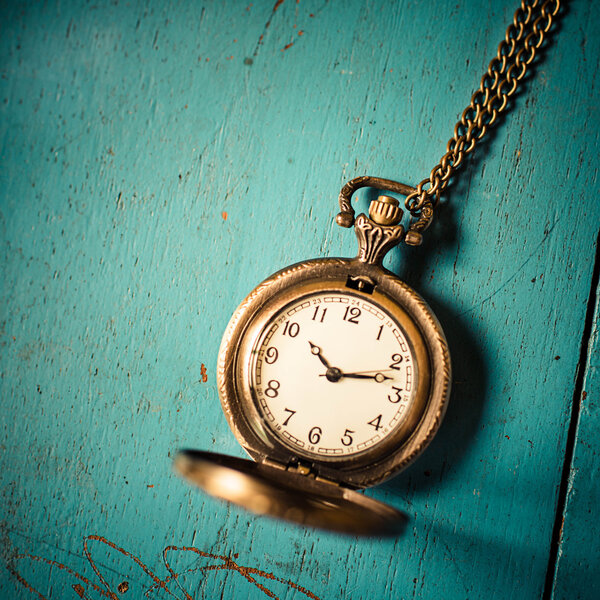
column 317, row 352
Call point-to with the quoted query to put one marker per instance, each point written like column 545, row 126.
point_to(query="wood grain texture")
column 579, row 552
column 158, row 160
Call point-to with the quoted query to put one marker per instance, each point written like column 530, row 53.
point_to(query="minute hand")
column 377, row 376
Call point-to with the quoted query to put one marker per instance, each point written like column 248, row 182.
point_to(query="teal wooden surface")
column 158, row 161
column 579, row 551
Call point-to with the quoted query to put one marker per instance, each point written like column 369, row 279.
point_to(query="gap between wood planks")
column 573, row 426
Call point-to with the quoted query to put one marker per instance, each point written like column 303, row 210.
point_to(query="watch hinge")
column 307, row 469
column 360, row 283
column 294, row 466
column 300, row 467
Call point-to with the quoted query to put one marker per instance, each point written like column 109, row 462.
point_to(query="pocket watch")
column 333, row 373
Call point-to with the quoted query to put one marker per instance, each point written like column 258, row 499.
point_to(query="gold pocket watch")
column 333, row 373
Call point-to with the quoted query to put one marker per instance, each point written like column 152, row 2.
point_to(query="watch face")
column 334, row 367
column 333, row 374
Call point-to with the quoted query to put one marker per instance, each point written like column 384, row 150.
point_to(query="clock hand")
column 317, row 352
column 334, row 374
column 378, row 377
column 373, row 371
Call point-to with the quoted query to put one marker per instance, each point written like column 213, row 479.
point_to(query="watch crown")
column 385, row 211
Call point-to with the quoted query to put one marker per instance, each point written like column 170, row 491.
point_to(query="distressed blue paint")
column 579, row 550
column 122, row 145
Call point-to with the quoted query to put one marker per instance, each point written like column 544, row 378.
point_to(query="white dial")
column 333, row 374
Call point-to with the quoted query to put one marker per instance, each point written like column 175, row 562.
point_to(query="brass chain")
column 531, row 21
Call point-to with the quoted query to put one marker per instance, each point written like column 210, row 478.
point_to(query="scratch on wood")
column 226, row 563
column 278, row 3
column 520, row 268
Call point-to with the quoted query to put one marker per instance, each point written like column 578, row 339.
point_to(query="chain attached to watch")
column 524, row 36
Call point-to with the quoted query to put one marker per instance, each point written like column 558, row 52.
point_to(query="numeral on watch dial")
column 397, row 398
column 376, row 422
column 291, row 329
column 272, row 388
column 351, row 314
column 292, row 413
column 347, row 437
column 319, row 314
column 271, row 355
column 396, row 360
column 314, row 435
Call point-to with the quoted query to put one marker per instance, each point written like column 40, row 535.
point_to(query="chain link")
column 531, row 21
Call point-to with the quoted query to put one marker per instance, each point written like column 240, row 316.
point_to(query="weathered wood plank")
column 129, row 132
column 577, row 575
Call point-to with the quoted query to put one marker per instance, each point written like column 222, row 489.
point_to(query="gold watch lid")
column 288, row 495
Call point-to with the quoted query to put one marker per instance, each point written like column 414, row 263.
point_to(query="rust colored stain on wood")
column 222, row 562
column 203, row 374
column 224, row 215
column 278, row 3
column 79, row 590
